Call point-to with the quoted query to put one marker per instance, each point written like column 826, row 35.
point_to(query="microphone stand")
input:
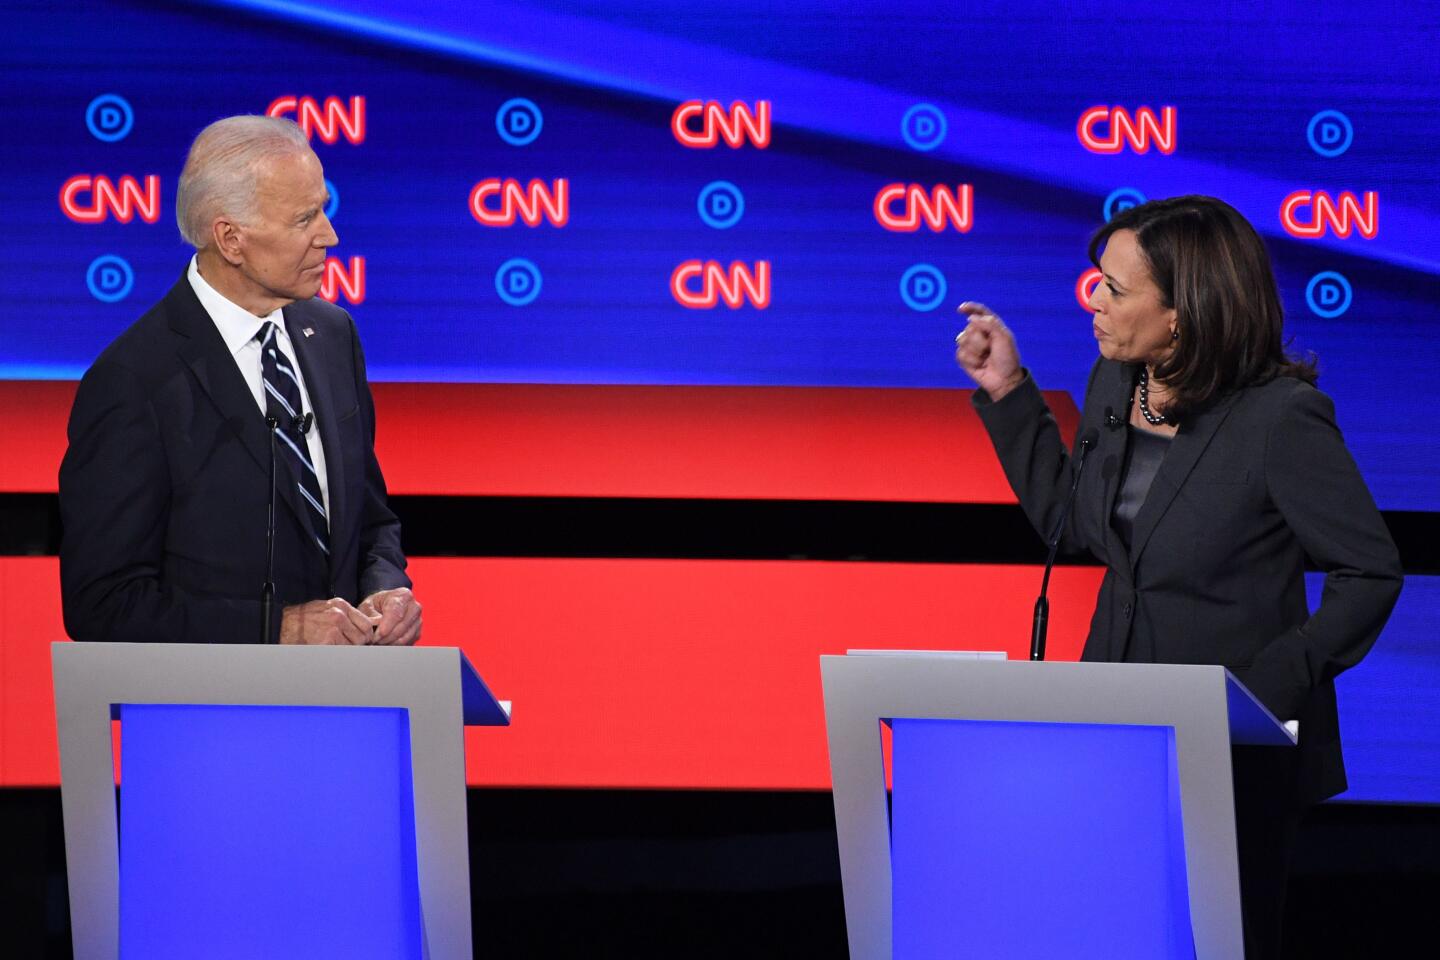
column 267, row 592
column 1041, row 623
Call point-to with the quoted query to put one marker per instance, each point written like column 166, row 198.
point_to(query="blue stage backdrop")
column 648, row 191
column 1390, row 704
column 761, row 193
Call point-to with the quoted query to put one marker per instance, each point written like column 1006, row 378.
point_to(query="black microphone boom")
column 267, row 592
column 1041, row 623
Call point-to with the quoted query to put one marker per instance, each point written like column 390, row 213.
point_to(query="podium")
column 274, row 801
column 1038, row 809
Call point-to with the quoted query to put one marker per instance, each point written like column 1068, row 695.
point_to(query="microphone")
column 1041, row 623
column 267, row 592
column 301, row 425
column 1112, row 422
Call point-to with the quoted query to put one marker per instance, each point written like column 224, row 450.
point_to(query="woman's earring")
column 1174, row 334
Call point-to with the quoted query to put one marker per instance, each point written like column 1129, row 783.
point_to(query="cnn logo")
column 342, row 280
column 703, row 124
column 1309, row 213
column 1120, row 129
column 329, row 120
column 499, row 203
column 939, row 208
column 717, row 284
column 92, row 199
column 1085, row 288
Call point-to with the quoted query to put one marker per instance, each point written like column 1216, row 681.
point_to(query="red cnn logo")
column 1085, row 288
column 734, row 287
column 529, row 203
column 328, row 120
column 716, row 123
column 340, row 280
column 936, row 208
column 1137, row 131
column 1338, row 216
column 124, row 199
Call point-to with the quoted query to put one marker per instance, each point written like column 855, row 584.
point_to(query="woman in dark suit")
column 1218, row 470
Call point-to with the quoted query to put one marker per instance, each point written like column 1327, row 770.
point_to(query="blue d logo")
column 518, row 281
column 109, row 278
column 923, row 127
column 1122, row 199
column 721, row 204
column 109, row 117
column 1330, row 133
column 1328, row 294
column 519, row 121
column 922, row 287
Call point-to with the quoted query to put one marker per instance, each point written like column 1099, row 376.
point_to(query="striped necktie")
column 282, row 401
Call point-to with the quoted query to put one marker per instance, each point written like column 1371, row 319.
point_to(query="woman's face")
column 1130, row 324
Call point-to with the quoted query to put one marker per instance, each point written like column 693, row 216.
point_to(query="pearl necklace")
column 1157, row 420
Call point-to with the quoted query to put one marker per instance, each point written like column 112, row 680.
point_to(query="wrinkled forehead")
column 291, row 178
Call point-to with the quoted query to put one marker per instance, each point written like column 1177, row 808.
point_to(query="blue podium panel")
column 1037, row 840
column 267, row 831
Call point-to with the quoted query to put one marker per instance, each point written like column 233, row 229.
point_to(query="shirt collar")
column 237, row 325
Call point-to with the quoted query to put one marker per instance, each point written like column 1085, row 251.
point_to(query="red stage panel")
column 807, row 443
column 33, row 414
column 630, row 673
column 29, row 622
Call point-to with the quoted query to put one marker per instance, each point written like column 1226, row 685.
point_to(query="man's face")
column 283, row 251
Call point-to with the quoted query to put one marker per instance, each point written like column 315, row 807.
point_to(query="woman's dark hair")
column 1212, row 269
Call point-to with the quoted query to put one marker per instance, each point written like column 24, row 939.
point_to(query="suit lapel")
column 310, row 352
column 1118, row 401
column 203, row 350
column 1185, row 450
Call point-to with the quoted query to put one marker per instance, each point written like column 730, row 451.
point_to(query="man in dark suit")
column 166, row 485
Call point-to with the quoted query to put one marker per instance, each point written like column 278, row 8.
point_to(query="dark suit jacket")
column 1248, row 489
column 164, row 487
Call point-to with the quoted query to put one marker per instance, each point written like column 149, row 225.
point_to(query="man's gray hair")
column 221, row 168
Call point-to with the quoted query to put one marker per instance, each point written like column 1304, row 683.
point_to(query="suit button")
column 1128, row 610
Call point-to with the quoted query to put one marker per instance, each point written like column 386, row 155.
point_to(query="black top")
column 1143, row 456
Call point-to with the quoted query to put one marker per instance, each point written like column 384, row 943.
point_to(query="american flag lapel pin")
column 309, row 331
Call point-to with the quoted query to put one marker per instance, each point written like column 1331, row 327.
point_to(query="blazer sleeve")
column 114, row 506
column 382, row 561
column 1313, row 481
column 1034, row 457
